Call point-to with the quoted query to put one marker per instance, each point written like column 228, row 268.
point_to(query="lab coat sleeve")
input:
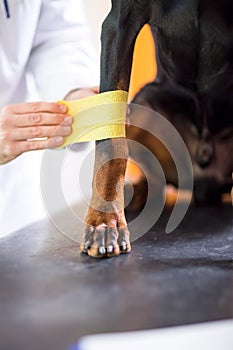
column 62, row 57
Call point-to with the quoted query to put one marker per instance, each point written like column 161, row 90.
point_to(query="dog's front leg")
column 106, row 233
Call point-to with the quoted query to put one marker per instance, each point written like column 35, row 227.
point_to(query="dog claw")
column 102, row 250
column 87, row 245
column 110, row 249
column 105, row 242
column 123, row 246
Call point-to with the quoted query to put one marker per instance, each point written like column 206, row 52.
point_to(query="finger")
column 21, row 134
column 36, row 107
column 22, row 120
column 95, row 89
column 53, row 142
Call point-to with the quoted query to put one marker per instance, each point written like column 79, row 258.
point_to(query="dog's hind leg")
column 106, row 233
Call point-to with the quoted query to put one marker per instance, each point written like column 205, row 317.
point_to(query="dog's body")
column 193, row 89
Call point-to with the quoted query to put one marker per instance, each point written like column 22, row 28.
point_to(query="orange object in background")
column 144, row 63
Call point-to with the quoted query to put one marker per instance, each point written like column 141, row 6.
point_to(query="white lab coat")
column 45, row 51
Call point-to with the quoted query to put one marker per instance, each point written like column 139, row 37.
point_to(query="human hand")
column 32, row 126
column 81, row 93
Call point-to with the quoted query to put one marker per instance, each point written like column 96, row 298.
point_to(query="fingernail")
column 62, row 108
column 67, row 130
column 59, row 140
column 68, row 120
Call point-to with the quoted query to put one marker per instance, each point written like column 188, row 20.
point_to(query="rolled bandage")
column 97, row 117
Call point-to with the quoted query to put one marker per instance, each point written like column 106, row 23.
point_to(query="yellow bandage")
column 97, row 117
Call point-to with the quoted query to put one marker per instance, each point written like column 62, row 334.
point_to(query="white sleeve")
column 62, row 56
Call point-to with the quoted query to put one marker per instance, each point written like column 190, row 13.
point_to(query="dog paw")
column 103, row 241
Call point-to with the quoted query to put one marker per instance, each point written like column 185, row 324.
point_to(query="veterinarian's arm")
column 63, row 58
column 63, row 63
column 81, row 93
